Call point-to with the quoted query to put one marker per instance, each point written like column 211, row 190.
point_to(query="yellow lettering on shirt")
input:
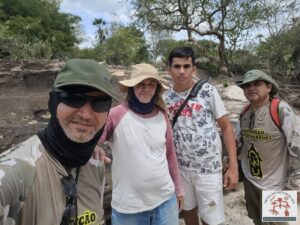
column 256, row 134
column 87, row 218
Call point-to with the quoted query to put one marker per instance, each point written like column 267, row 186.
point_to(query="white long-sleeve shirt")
column 144, row 167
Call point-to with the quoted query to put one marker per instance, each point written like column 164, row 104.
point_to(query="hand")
column 231, row 177
column 99, row 154
column 180, row 203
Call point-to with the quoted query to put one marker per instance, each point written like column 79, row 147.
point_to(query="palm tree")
column 101, row 30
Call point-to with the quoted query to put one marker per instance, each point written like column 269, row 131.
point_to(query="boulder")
column 233, row 92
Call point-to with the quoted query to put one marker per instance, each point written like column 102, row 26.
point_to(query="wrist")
column 233, row 165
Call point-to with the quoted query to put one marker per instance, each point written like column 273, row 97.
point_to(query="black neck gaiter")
column 67, row 152
column 139, row 107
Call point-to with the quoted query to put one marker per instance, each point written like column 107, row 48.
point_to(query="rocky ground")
column 24, row 90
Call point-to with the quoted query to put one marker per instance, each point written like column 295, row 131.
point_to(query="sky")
column 88, row 10
column 109, row 10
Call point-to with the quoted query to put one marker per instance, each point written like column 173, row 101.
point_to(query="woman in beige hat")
column 145, row 172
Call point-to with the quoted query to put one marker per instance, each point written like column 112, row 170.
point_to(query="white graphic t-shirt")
column 196, row 137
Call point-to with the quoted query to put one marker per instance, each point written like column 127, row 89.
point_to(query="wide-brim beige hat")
column 142, row 72
column 139, row 73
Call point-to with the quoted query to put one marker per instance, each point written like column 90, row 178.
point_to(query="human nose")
column 181, row 69
column 86, row 110
column 147, row 88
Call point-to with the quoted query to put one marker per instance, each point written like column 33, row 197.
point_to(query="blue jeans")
column 164, row 214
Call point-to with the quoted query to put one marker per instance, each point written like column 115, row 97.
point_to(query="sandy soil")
column 235, row 209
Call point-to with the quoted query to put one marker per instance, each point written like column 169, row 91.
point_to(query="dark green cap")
column 85, row 72
column 253, row 75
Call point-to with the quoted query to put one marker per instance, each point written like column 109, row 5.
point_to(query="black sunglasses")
column 70, row 213
column 77, row 100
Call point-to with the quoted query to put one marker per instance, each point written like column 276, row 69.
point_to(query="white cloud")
column 113, row 10
column 109, row 10
column 88, row 10
column 91, row 5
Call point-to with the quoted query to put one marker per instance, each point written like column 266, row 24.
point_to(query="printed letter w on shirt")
column 187, row 137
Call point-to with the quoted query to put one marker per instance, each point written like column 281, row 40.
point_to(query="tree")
column 39, row 21
column 279, row 15
column 217, row 18
column 295, row 57
column 101, row 30
column 164, row 47
column 126, row 45
column 155, row 38
column 280, row 52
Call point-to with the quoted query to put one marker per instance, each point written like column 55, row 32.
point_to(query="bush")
column 212, row 66
column 17, row 47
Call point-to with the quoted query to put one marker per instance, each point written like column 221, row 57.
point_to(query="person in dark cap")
column 51, row 178
column 269, row 150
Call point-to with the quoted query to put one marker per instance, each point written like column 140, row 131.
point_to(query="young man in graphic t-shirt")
column 197, row 142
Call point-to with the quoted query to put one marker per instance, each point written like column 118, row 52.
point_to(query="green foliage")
column 18, row 48
column 223, row 20
column 42, row 31
column 278, row 51
column 154, row 38
column 101, row 29
column 205, row 53
column 34, row 29
column 211, row 66
column 125, row 46
column 84, row 53
column 277, row 55
column 225, row 84
column 207, row 57
column 243, row 60
column 164, row 47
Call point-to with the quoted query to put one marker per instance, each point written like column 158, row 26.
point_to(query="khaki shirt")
column 31, row 189
column 271, row 157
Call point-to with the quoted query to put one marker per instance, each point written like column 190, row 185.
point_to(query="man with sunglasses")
column 51, row 178
column 270, row 151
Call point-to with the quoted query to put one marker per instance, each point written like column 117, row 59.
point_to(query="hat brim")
column 240, row 83
column 104, row 90
column 125, row 84
column 274, row 90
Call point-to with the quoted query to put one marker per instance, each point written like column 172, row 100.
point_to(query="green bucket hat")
column 253, row 75
column 85, row 72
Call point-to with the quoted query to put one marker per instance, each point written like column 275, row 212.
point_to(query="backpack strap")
column 245, row 109
column 193, row 93
column 274, row 111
